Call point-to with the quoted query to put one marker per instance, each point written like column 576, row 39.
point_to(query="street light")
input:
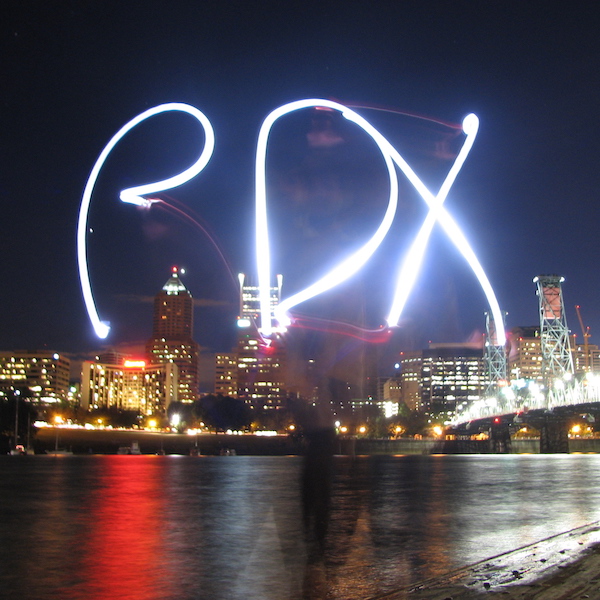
column 175, row 420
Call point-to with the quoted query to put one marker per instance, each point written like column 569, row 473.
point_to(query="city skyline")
column 526, row 198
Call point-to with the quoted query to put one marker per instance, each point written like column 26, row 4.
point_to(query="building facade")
column 442, row 378
column 42, row 374
column 172, row 332
column 583, row 362
column 410, row 379
column 226, row 374
column 132, row 385
column 254, row 371
column 453, row 376
column 525, row 354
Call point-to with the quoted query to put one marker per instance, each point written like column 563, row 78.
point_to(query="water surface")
column 175, row 527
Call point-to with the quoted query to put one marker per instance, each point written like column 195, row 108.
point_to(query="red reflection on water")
column 121, row 555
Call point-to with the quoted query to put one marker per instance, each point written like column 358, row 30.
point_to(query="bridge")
column 550, row 406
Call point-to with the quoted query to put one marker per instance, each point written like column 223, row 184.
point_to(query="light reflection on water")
column 156, row 527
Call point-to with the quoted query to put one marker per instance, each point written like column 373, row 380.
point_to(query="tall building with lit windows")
column 586, row 362
column 226, row 374
column 260, row 366
column 442, row 378
column 452, row 378
column 172, row 335
column 43, row 374
column 410, row 379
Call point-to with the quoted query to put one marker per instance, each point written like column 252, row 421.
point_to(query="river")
column 229, row 527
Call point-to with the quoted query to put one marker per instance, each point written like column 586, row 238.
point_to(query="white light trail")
column 133, row 195
column 349, row 266
column 354, row 262
column 410, row 267
column 414, row 258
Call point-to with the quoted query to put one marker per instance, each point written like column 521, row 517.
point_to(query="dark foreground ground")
column 571, row 582
column 564, row 567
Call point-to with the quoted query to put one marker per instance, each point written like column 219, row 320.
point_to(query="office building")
column 258, row 374
column 452, row 377
column 226, row 374
column 172, row 333
column 441, row 378
column 42, row 375
column 132, row 385
column 583, row 362
column 410, row 379
column 525, row 354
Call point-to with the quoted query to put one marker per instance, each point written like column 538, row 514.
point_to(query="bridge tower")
column 557, row 360
column 494, row 356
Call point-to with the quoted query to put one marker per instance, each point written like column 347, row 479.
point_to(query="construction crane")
column 586, row 337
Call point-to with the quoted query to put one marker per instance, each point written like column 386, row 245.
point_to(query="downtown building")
column 42, row 376
column 586, row 357
column 131, row 385
column 390, row 396
column 253, row 371
column 442, row 378
column 524, row 350
column 171, row 340
column 410, row 379
column 226, row 374
column 525, row 355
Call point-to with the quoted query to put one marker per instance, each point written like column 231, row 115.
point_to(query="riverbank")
column 108, row 441
column 562, row 567
column 105, row 441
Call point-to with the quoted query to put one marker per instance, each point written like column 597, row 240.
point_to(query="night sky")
column 527, row 199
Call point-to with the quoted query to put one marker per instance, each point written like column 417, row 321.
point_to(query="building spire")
column 174, row 285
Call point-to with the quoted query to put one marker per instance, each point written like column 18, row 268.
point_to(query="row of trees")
column 295, row 415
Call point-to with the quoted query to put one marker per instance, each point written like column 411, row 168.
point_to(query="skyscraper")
column 172, row 335
column 260, row 366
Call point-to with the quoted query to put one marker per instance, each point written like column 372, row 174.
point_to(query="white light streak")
column 134, row 195
column 414, row 258
column 352, row 264
column 348, row 267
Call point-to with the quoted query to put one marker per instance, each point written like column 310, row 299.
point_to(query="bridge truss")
column 494, row 356
column 560, row 386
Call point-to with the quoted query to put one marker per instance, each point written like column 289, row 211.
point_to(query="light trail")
column 373, row 336
column 414, row 258
column 350, row 265
column 178, row 208
column 405, row 113
column 134, row 195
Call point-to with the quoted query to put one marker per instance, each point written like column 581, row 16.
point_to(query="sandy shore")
column 563, row 567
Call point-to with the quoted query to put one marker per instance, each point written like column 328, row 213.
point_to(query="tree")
column 224, row 412
column 116, row 417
